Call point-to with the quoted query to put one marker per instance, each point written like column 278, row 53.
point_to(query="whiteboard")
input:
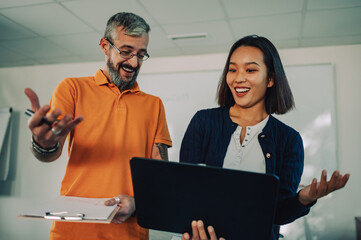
column 183, row 93
column 5, row 140
column 313, row 88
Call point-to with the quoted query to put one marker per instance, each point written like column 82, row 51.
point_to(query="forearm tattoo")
column 163, row 150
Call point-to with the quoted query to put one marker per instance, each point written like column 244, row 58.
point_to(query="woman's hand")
column 199, row 233
column 320, row 189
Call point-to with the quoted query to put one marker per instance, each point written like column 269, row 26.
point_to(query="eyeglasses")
column 127, row 54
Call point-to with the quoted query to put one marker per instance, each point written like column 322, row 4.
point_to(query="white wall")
column 31, row 181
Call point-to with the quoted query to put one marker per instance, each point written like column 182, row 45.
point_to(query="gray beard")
column 117, row 79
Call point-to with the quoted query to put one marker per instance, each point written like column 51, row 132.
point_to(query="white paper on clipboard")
column 67, row 208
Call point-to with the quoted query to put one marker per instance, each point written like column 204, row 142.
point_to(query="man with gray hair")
column 118, row 122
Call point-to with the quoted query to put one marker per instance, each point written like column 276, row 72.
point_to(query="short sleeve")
column 162, row 133
column 64, row 97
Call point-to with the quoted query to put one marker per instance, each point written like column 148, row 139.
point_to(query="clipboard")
column 73, row 209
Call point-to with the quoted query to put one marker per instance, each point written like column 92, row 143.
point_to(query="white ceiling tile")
column 79, row 44
column 9, row 55
column 327, row 4
column 158, row 39
column 37, row 48
column 46, row 19
column 218, row 32
column 218, row 48
column 92, row 57
column 329, row 41
column 333, row 23
column 17, row 63
column 68, row 59
column 285, row 26
column 184, row 11
column 286, row 43
column 96, row 13
column 249, row 8
column 11, row 30
column 166, row 52
column 17, row 3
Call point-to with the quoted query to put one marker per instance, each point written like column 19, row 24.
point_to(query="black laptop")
column 169, row 195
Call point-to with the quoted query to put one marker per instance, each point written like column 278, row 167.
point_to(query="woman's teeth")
column 242, row 90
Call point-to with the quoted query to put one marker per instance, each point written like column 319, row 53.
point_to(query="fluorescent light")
column 188, row 36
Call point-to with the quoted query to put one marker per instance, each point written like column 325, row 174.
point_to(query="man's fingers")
column 35, row 120
column 70, row 125
column 112, row 201
column 54, row 114
column 117, row 220
column 66, row 124
column 34, row 100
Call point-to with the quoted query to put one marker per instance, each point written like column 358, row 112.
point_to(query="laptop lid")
column 169, row 195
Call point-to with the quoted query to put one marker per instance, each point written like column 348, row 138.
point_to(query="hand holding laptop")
column 198, row 232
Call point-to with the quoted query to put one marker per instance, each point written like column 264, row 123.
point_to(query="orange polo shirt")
column 116, row 127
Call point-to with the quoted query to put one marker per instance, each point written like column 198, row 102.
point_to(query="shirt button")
column 268, row 155
column 262, row 136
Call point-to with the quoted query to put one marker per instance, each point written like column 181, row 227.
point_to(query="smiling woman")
column 242, row 133
column 248, row 80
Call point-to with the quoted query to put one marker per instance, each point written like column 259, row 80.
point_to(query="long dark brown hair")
column 279, row 98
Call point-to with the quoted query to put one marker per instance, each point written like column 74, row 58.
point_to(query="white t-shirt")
column 247, row 156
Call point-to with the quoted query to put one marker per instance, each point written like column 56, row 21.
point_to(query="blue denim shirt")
column 207, row 138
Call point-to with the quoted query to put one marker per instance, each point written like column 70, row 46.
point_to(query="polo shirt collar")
column 101, row 79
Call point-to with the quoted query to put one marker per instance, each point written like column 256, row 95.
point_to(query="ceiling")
column 35, row 32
